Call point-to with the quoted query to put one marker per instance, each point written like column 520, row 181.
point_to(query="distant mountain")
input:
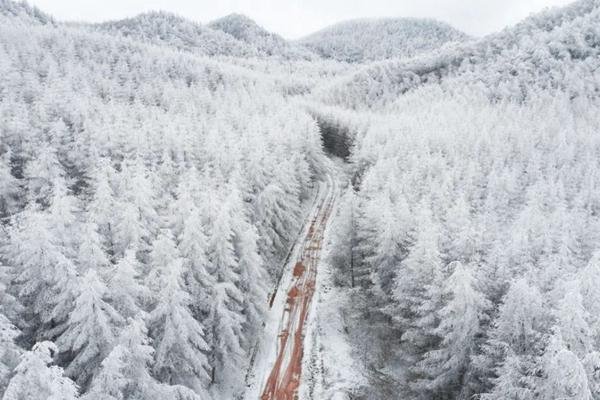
column 231, row 36
column 552, row 49
column 266, row 43
column 25, row 12
column 380, row 39
column 162, row 28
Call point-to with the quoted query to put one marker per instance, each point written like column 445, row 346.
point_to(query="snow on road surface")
column 283, row 380
column 331, row 370
column 277, row 366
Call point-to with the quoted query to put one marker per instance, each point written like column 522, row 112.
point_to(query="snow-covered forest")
column 146, row 197
column 470, row 238
column 155, row 173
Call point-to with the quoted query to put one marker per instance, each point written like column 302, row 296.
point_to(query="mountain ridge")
column 543, row 51
column 373, row 39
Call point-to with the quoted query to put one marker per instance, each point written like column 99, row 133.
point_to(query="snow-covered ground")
column 329, row 371
column 266, row 348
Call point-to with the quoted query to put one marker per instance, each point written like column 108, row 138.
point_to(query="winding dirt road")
column 284, row 378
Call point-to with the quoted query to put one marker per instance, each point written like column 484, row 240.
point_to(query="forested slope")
column 556, row 49
column 231, row 36
column 25, row 12
column 162, row 28
column 367, row 40
column 269, row 44
column 153, row 172
column 469, row 242
column 146, row 197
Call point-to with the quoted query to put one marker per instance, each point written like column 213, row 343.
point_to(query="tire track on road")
column 284, row 378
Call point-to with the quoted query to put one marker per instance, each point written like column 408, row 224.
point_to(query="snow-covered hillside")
column 25, row 12
column 232, row 36
column 167, row 29
column 146, row 198
column 155, row 173
column 270, row 44
column 381, row 39
column 469, row 242
column 556, row 49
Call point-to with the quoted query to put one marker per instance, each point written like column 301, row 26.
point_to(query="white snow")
column 329, row 370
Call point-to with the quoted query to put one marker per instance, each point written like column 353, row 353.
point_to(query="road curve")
column 284, row 378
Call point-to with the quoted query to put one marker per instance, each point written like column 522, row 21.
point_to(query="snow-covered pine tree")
column 193, row 246
column 572, row 321
column 91, row 254
column 41, row 172
column 517, row 332
column 138, row 221
column 342, row 251
column 41, row 267
column 63, row 211
column 129, row 232
column 514, row 380
column 447, row 366
column 186, row 194
column 35, row 379
column 253, row 278
column 102, row 208
column 591, row 363
column 460, row 236
column 589, row 281
column 9, row 186
column 564, row 374
column 125, row 372
column 125, row 288
column 90, row 331
column 392, row 237
column 417, row 286
column 274, row 216
column 9, row 351
column 179, row 340
column 225, row 320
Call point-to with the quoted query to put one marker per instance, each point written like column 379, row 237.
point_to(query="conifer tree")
column 225, row 320
column 391, row 240
column 461, row 320
column 41, row 173
column 193, row 244
column 418, row 283
column 179, row 339
column 565, row 376
column 90, row 330
column 514, row 381
column 9, row 351
column 514, row 341
column 91, row 252
column 125, row 372
column 589, row 281
column 41, row 267
column 102, row 208
column 343, row 252
column 9, row 186
column 35, row 379
column 572, row 322
column 252, row 275
column 125, row 289
column 591, row 363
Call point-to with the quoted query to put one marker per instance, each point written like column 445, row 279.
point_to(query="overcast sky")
column 295, row 18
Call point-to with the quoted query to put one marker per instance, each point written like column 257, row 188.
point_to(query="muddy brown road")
column 284, row 379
